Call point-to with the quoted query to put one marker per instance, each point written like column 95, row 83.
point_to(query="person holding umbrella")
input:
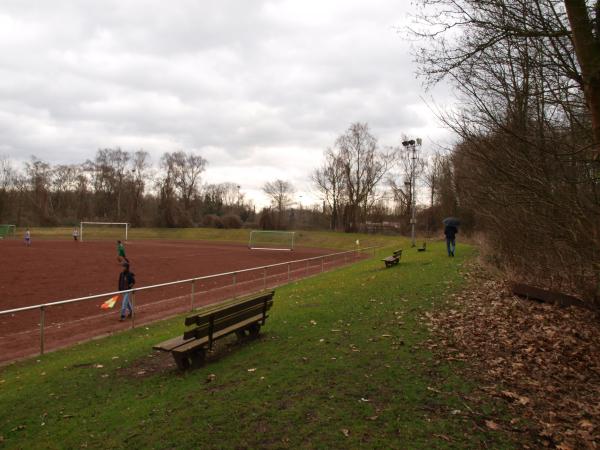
column 450, row 230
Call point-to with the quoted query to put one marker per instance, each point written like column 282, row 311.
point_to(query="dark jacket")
column 450, row 231
column 126, row 280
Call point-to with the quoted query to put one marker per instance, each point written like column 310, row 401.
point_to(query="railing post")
column 42, row 319
column 306, row 274
column 289, row 272
column 234, row 283
column 322, row 264
column 192, row 296
column 132, row 294
column 265, row 279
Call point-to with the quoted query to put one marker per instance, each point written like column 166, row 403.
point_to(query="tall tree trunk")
column 587, row 50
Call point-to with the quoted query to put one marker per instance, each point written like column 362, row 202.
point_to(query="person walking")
column 126, row 281
column 450, row 231
column 75, row 234
column 121, row 253
column 27, row 238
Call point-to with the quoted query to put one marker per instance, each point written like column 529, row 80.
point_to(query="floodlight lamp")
column 411, row 142
column 405, row 143
column 419, row 141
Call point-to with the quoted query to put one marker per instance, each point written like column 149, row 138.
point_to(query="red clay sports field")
column 55, row 270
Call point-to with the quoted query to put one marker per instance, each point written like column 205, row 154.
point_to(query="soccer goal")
column 103, row 230
column 7, row 231
column 271, row 240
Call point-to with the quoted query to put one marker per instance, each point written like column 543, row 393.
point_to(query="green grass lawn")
column 319, row 239
column 339, row 365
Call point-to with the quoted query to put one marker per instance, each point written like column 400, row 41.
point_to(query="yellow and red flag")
column 110, row 303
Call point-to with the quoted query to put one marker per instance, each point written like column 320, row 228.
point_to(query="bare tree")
column 330, row 182
column 364, row 166
column 39, row 177
column 181, row 180
column 527, row 164
column 140, row 173
column 7, row 175
column 280, row 192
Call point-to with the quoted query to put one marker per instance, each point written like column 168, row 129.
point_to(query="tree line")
column 119, row 186
column 527, row 165
column 361, row 187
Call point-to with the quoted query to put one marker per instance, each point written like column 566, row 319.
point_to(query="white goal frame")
column 252, row 246
column 10, row 226
column 81, row 224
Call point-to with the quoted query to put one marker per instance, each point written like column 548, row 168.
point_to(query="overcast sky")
column 258, row 88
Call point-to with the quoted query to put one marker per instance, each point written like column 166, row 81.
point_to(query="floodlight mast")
column 411, row 145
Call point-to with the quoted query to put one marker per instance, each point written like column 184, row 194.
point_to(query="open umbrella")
column 451, row 221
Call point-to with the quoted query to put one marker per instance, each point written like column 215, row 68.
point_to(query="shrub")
column 231, row 221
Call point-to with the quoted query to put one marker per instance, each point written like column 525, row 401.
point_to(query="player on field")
column 75, row 234
column 126, row 281
column 121, row 253
column 28, row 237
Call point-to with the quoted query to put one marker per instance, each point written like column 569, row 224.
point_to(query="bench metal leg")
column 182, row 361
column 254, row 330
column 198, row 357
column 241, row 334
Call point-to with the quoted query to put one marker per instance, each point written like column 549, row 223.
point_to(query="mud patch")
column 159, row 362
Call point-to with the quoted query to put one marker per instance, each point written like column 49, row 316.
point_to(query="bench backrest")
column 397, row 253
column 217, row 319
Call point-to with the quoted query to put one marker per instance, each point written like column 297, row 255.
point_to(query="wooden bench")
column 243, row 316
column 394, row 259
column 422, row 249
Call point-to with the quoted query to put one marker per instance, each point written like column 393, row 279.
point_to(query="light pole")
column 411, row 145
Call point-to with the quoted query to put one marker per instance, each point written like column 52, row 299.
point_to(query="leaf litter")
column 542, row 360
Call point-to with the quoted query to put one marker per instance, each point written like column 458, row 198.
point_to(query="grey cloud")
column 255, row 85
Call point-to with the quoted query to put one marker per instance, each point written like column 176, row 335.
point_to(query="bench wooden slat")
column 242, row 315
column 170, row 344
column 203, row 318
column 207, row 309
column 393, row 259
column 221, row 322
column 200, row 342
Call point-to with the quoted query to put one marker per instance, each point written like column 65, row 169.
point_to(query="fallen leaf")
column 565, row 446
column 443, row 436
column 252, row 370
column 492, row 425
column 346, row 432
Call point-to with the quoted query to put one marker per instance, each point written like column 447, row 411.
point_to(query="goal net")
column 7, row 231
column 271, row 240
column 103, row 230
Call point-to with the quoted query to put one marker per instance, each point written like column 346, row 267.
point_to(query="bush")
column 231, row 221
column 212, row 220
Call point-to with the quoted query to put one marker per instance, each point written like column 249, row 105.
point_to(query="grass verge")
column 340, row 364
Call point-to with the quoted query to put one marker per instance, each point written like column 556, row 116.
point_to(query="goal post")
column 100, row 230
column 7, row 231
column 271, row 240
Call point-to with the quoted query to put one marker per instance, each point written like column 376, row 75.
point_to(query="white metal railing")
column 42, row 307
